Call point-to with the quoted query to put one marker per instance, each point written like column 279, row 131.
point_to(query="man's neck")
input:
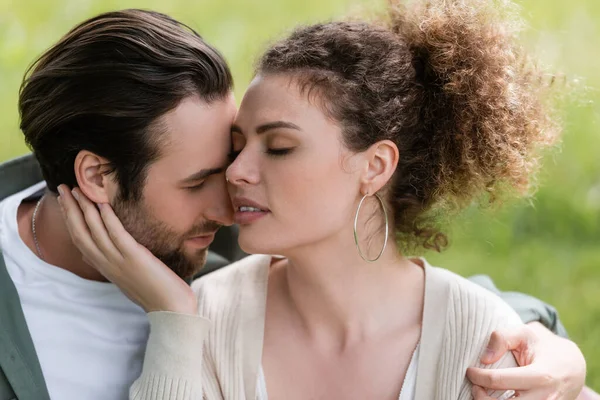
column 53, row 238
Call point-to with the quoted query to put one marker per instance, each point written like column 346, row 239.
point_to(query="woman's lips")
column 248, row 211
column 248, row 216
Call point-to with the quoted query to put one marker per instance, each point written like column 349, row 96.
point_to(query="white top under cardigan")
column 217, row 355
column 407, row 392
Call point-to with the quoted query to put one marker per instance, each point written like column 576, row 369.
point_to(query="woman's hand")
column 551, row 367
column 108, row 247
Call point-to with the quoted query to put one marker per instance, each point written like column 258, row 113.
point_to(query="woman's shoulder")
column 233, row 299
column 228, row 289
column 464, row 313
column 459, row 318
column 241, row 270
column 467, row 299
column 227, row 282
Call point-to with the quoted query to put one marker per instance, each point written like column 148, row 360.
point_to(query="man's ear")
column 382, row 160
column 93, row 178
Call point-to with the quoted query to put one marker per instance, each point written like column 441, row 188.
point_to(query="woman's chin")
column 251, row 247
column 253, row 244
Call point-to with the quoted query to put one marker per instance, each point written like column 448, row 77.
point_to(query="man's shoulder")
column 19, row 178
column 18, row 174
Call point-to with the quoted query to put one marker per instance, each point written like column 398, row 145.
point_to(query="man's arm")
column 550, row 367
column 552, row 364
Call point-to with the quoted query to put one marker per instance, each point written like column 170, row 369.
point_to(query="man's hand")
column 551, row 367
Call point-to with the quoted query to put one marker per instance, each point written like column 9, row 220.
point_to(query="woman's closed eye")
column 278, row 144
column 278, row 152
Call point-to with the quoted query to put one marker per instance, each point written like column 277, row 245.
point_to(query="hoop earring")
column 386, row 229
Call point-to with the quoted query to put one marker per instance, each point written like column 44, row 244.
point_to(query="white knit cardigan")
column 217, row 355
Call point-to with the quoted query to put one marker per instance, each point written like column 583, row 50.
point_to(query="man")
column 135, row 109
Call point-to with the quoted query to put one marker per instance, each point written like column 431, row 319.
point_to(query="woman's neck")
column 341, row 298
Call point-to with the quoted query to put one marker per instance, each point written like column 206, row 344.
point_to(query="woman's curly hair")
column 448, row 83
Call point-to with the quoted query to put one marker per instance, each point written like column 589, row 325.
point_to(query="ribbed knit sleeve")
column 473, row 314
column 174, row 358
column 221, row 367
column 235, row 300
column 216, row 354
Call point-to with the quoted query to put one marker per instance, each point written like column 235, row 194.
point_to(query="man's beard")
column 166, row 244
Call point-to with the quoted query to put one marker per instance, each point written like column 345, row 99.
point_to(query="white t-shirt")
column 90, row 339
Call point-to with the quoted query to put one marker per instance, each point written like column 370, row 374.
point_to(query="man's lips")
column 202, row 241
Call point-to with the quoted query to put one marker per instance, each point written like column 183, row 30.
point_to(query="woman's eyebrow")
column 275, row 125
column 268, row 126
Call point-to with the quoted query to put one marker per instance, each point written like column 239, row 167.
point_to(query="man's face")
column 185, row 200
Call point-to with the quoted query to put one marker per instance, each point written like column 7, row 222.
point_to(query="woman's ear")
column 93, row 177
column 382, row 160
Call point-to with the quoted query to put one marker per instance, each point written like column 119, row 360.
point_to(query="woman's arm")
column 174, row 354
column 173, row 360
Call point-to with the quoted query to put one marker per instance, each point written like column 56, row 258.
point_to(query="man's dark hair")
column 103, row 87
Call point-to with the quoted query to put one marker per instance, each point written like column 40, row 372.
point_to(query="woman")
column 350, row 140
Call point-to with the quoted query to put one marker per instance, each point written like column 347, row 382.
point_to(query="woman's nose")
column 243, row 170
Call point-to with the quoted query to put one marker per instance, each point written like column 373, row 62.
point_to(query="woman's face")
column 293, row 182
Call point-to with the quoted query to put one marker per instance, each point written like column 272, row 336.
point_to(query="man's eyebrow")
column 202, row 174
column 268, row 126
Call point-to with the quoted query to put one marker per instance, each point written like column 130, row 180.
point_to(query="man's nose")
column 222, row 209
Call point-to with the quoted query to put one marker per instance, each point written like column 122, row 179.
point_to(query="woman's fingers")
column 77, row 227
column 122, row 240
column 106, row 245
column 96, row 227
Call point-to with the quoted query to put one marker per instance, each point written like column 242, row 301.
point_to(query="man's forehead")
column 194, row 113
column 197, row 134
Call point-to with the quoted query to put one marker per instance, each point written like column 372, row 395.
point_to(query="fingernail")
column 100, row 205
column 75, row 194
column 489, row 354
column 60, row 190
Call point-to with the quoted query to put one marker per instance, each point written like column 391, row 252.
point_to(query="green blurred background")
column 548, row 246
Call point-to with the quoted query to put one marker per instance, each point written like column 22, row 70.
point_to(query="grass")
column 549, row 247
